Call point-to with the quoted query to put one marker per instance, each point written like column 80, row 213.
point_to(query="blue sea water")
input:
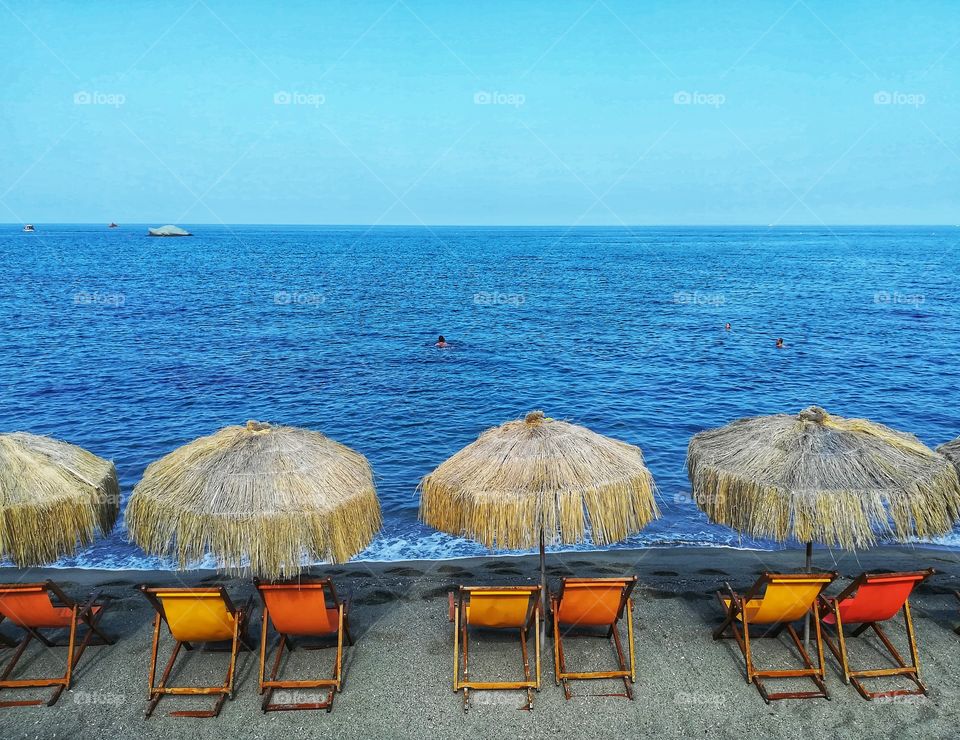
column 131, row 346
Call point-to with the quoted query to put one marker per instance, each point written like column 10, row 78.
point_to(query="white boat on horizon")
column 28, row 228
column 168, row 230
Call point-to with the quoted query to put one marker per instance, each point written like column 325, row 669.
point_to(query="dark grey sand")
column 398, row 676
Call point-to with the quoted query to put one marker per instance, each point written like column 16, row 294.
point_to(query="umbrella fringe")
column 270, row 546
column 260, row 500
column 893, row 486
column 608, row 513
column 57, row 498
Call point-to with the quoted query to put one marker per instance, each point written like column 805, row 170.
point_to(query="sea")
column 131, row 346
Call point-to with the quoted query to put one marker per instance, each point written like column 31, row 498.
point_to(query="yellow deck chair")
column 502, row 607
column 776, row 601
column 195, row 616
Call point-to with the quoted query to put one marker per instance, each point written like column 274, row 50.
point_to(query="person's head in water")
column 441, row 342
column 780, row 343
column 727, row 327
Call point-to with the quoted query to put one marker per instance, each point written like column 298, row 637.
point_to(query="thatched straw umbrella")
column 260, row 499
column 951, row 451
column 814, row 477
column 54, row 497
column 540, row 480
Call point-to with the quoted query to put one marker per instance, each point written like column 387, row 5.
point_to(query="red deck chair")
column 302, row 608
column 588, row 604
column 869, row 600
column 31, row 606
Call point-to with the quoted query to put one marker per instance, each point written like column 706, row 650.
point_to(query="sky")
column 580, row 112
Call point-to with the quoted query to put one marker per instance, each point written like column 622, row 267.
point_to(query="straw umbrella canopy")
column 951, row 451
column 814, row 477
column 54, row 497
column 540, row 480
column 259, row 499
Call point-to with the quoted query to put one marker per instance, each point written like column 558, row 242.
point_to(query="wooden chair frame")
column 957, row 628
column 737, row 606
column 458, row 616
column 839, row 649
column 237, row 643
column 85, row 613
column 629, row 676
column 334, row 684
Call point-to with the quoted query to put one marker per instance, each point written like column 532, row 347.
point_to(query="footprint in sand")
column 403, row 572
column 506, row 571
column 437, row 592
column 453, row 570
column 378, row 596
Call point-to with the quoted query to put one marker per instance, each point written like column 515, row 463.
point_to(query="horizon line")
column 497, row 226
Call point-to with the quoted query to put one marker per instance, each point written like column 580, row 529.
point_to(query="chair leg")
column 536, row 643
column 911, row 671
column 456, row 648
column 156, row 692
column 621, row 659
column 464, row 638
column 526, row 665
column 556, row 644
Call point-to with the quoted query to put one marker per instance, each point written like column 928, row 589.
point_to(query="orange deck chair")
column 869, row 600
column 195, row 616
column 43, row 606
column 303, row 608
column 495, row 607
column 585, row 604
column 776, row 601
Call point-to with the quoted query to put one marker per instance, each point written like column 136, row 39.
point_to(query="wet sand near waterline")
column 398, row 675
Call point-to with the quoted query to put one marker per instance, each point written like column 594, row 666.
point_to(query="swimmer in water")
column 727, row 327
column 780, row 343
column 441, row 343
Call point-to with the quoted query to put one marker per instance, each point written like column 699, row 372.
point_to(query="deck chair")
column 584, row 605
column 776, row 601
column 303, row 608
column 37, row 607
column 867, row 601
column 498, row 607
column 195, row 616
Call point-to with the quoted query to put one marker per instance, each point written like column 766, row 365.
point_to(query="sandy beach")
column 398, row 675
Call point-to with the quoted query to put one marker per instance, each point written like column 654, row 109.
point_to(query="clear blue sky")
column 408, row 112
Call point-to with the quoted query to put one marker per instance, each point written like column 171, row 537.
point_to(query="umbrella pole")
column 543, row 588
column 806, row 622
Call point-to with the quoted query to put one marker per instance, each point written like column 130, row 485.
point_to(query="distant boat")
column 29, row 228
column 168, row 230
column 112, row 225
